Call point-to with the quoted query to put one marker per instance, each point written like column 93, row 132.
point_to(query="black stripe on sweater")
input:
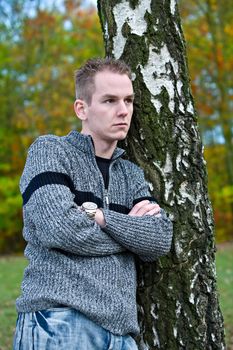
column 81, row 197
column 47, row 178
column 55, row 178
column 119, row 208
column 151, row 199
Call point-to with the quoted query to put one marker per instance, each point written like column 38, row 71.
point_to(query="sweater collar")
column 86, row 145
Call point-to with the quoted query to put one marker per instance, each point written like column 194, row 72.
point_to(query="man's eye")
column 109, row 100
column 129, row 100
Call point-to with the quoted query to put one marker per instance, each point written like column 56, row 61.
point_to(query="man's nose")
column 122, row 109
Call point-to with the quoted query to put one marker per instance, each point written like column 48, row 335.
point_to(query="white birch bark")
column 177, row 296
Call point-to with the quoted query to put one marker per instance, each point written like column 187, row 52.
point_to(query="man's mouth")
column 120, row 124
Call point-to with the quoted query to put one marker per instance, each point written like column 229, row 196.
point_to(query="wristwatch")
column 90, row 209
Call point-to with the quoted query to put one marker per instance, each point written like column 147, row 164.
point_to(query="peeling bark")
column 177, row 296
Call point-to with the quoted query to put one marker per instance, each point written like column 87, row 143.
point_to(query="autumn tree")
column 177, row 295
column 209, row 34
column 40, row 48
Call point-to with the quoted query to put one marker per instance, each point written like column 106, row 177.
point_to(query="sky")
column 58, row 3
column 85, row 2
column 92, row 2
column 50, row 3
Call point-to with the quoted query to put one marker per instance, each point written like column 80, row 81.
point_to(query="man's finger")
column 137, row 207
column 147, row 208
column 154, row 212
column 144, row 208
column 155, row 209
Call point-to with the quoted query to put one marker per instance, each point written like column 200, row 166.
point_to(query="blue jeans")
column 65, row 329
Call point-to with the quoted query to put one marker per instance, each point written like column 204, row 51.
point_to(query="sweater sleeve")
column 147, row 236
column 51, row 217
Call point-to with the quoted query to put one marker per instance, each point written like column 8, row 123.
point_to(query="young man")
column 87, row 214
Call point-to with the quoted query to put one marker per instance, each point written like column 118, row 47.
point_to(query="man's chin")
column 117, row 137
column 121, row 136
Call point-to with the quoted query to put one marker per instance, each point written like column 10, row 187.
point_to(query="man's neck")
column 104, row 152
column 103, row 148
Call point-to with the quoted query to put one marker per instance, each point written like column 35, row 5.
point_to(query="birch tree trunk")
column 177, row 295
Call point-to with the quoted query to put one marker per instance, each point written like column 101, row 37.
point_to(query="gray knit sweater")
column 72, row 261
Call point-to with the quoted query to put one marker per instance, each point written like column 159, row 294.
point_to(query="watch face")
column 89, row 206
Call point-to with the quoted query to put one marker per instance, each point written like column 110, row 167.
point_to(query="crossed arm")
column 145, row 207
column 54, row 220
column 145, row 231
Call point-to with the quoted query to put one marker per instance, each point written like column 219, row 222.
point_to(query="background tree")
column 209, row 33
column 41, row 44
column 177, row 296
column 40, row 48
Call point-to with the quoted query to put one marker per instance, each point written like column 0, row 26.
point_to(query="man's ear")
column 80, row 109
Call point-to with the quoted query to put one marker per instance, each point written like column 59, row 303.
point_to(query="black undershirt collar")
column 104, row 164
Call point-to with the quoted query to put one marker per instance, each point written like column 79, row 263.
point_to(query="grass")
column 224, row 262
column 11, row 269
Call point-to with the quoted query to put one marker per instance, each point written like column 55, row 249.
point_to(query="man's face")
column 109, row 115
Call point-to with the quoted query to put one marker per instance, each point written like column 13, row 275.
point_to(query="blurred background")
column 42, row 42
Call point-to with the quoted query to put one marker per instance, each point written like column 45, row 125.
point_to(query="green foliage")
column 208, row 31
column 209, row 37
column 38, row 56
column 10, row 213
column 221, row 194
column 40, row 49
column 225, row 195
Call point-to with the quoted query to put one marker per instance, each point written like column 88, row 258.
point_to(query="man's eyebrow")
column 115, row 96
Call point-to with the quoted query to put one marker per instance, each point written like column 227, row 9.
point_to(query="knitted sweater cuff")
column 148, row 236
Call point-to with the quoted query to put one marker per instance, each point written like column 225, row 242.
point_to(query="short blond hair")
column 84, row 76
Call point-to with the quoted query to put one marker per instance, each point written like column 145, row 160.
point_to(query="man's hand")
column 99, row 218
column 140, row 209
column 145, row 208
